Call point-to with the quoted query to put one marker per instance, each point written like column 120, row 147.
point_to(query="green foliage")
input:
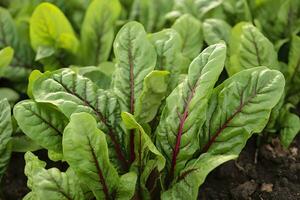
column 5, row 135
column 148, row 112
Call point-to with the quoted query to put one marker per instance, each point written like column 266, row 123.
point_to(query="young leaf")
column 293, row 72
column 90, row 161
column 42, row 123
column 72, row 93
column 55, row 185
column 168, row 45
column 250, row 48
column 215, row 30
column 49, row 28
column 142, row 164
column 150, row 13
column 5, row 135
column 192, row 39
column 135, row 58
column 126, row 187
column 185, row 109
column 11, row 95
column 97, row 32
column 34, row 75
column 196, row 8
column 6, row 56
column 32, row 168
column 8, row 33
column 290, row 127
column 239, row 107
column 143, row 140
column 154, row 91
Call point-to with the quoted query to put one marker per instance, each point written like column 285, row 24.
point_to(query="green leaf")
column 50, row 28
column 154, row 91
column 126, row 188
column 56, row 185
column 293, row 72
column 96, row 75
column 145, row 142
column 250, row 48
column 42, row 123
column 23, row 144
column 184, row 112
column 215, row 30
column 34, row 75
column 289, row 127
column 32, row 168
column 144, row 162
column 8, row 32
column 136, row 58
column 44, row 52
column 5, row 135
column 196, row 8
column 192, row 39
column 151, row 13
column 6, row 56
column 11, row 95
column 193, row 176
column 239, row 107
column 97, row 31
column 90, row 161
column 72, row 93
column 168, row 45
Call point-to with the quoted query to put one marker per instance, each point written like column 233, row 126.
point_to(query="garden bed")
column 276, row 176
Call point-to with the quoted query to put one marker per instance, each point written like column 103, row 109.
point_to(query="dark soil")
column 13, row 186
column 275, row 176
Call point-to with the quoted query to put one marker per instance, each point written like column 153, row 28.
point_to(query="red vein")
column 225, row 125
column 100, row 175
column 99, row 115
column 179, row 133
column 130, row 60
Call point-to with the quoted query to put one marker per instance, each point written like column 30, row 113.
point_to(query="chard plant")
column 140, row 138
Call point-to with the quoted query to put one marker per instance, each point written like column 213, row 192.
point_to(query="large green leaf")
column 250, row 48
column 215, row 30
column 154, row 91
column 42, row 123
column 49, row 28
column 97, row 32
column 55, row 185
column 90, row 161
column 239, row 107
column 73, row 93
column 192, row 38
column 185, row 108
column 136, row 58
column 5, row 135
